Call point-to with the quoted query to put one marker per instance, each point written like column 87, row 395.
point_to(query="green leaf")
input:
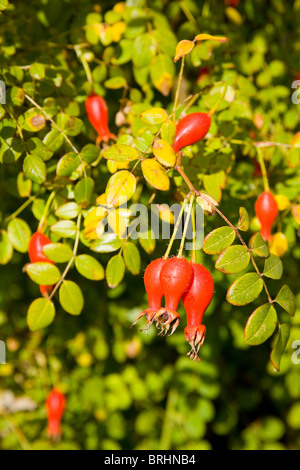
column 214, row 183
column 273, row 267
column 58, row 252
column 147, row 241
column 64, row 228
column 162, row 72
column 260, row 325
column 3, row 4
column 115, row 83
column 35, row 169
column 121, row 153
column 219, row 239
column 73, row 126
column 17, row 96
column 46, row 274
column 286, row 299
column 83, row 191
column 37, row 147
column 90, row 153
column 281, row 342
column 168, row 131
column 245, row 289
column 89, row 267
column 37, row 71
column 40, row 314
column 10, row 150
column 143, row 49
column 71, row 298
column 259, row 246
column 108, row 243
column 115, row 271
column 67, row 164
column 19, row 234
column 6, row 248
column 233, row 259
column 54, row 140
column 243, row 223
column 132, row 258
column 24, row 185
column 70, row 210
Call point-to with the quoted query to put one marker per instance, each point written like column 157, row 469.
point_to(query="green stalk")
column 179, row 255
column 176, row 228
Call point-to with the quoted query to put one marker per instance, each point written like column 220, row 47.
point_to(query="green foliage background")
column 128, row 389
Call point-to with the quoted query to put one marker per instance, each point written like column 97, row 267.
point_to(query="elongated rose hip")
column 153, row 289
column 191, row 129
column 97, row 113
column 266, row 209
column 35, row 250
column 175, row 277
column 196, row 300
column 55, row 407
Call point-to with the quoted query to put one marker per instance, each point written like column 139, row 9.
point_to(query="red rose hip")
column 266, row 209
column 191, row 129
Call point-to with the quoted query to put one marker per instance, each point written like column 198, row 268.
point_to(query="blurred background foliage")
column 128, row 389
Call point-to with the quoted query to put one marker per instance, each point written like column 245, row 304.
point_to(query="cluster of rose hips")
column 174, row 279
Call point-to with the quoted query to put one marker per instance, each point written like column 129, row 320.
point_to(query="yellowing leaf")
column 183, row 48
column 296, row 213
column 162, row 72
column 155, row 174
column 117, row 30
column 203, row 37
column 154, row 116
column 120, row 187
column 118, row 222
column 166, row 214
column 101, row 199
column 164, row 153
column 279, row 244
column 282, row 202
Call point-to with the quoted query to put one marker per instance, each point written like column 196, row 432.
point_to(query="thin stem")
column 179, row 255
column 21, row 208
column 46, row 211
column 178, row 88
column 194, row 235
column 84, row 63
column 242, row 242
column 75, row 248
column 213, row 109
column 263, row 169
column 178, row 221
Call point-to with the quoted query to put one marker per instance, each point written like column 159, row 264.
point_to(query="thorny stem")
column 179, row 255
column 75, row 248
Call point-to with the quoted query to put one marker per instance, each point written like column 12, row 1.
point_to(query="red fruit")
column 153, row 289
column 97, row 113
column 35, row 248
column 196, row 300
column 46, row 290
column 55, row 406
column 36, row 254
column 175, row 277
column 266, row 209
column 232, row 3
column 191, row 129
